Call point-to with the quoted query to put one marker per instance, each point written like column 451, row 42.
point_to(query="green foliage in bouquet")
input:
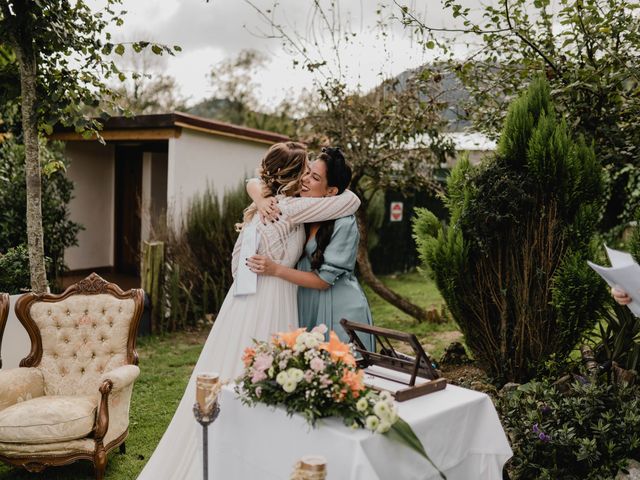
column 301, row 372
column 511, row 265
column 585, row 433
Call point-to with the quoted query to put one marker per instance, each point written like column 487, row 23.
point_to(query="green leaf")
column 430, row 45
column 402, row 432
column 157, row 49
column 119, row 49
column 177, row 48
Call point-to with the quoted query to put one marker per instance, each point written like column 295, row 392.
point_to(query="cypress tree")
column 511, row 264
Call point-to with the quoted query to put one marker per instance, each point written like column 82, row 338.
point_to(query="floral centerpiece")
column 301, row 372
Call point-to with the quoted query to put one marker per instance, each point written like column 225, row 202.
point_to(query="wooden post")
column 152, row 280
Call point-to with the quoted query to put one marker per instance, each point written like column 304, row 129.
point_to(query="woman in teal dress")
column 328, row 288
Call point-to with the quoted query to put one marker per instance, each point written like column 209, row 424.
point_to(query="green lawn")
column 166, row 363
column 433, row 337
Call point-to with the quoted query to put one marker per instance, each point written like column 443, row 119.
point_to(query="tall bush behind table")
column 511, row 265
column 198, row 258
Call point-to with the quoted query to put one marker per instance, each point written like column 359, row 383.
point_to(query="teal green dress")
column 345, row 298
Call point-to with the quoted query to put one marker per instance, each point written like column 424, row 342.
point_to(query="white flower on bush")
column 289, row 386
column 372, row 422
column 362, row 405
column 282, row 378
column 271, row 371
column 295, row 374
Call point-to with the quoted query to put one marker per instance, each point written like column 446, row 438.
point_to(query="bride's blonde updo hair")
column 281, row 172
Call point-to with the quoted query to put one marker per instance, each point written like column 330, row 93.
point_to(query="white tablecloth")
column 459, row 429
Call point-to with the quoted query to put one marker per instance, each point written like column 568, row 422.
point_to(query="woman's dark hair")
column 339, row 176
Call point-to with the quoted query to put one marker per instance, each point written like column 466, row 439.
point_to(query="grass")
column 434, row 337
column 166, row 363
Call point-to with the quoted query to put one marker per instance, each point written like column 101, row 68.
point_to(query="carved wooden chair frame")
column 91, row 285
column 4, row 315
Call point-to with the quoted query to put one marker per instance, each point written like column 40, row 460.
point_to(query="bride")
column 273, row 308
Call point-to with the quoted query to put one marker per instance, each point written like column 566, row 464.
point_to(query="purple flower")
column 541, row 435
column 544, row 437
column 545, row 409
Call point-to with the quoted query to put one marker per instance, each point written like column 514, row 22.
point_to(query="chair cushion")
column 48, row 419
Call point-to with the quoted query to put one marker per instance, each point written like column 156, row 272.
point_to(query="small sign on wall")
column 396, row 212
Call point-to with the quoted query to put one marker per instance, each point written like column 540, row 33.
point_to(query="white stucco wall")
column 199, row 159
column 92, row 171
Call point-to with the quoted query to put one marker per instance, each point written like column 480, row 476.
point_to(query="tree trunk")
column 376, row 285
column 28, row 69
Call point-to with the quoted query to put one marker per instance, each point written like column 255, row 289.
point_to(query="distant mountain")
column 452, row 92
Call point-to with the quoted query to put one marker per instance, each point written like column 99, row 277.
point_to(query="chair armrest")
column 121, row 377
column 20, row 384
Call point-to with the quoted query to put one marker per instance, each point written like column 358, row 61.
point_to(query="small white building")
column 149, row 165
column 474, row 144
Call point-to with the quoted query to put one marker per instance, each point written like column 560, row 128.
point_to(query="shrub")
column 511, row 265
column 198, row 258
column 57, row 190
column 14, row 270
column 586, row 433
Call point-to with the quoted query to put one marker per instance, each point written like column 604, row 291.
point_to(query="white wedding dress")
column 273, row 308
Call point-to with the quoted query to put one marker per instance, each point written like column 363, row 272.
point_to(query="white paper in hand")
column 624, row 274
column 246, row 280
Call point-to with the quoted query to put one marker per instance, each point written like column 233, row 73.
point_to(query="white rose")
column 282, row 378
column 383, row 427
column 372, row 422
column 318, row 336
column 295, row 374
column 311, row 342
column 382, row 410
column 386, row 396
column 289, row 386
column 362, row 404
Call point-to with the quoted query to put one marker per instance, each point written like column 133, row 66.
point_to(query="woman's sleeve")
column 310, row 209
column 340, row 253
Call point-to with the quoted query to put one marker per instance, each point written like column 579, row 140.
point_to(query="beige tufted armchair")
column 69, row 400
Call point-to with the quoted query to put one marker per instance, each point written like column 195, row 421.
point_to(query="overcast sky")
column 211, row 32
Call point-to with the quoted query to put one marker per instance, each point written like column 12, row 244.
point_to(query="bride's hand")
column 262, row 265
column 268, row 209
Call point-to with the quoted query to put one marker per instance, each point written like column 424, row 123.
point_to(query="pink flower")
column 325, row 381
column 258, row 391
column 258, row 375
column 322, row 328
column 317, row 364
column 308, row 376
column 262, row 361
